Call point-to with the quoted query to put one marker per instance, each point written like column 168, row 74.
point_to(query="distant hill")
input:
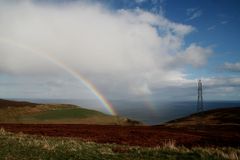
column 9, row 103
column 222, row 116
column 26, row 112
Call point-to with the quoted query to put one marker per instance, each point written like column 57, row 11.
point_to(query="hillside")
column 26, row 112
column 9, row 103
column 222, row 116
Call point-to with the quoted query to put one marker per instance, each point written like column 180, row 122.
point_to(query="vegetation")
column 21, row 146
column 66, row 113
column 26, row 112
column 9, row 103
column 222, row 116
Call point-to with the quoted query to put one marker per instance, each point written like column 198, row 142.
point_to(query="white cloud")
column 140, row 1
column 194, row 13
column 235, row 67
column 224, row 22
column 211, row 28
column 196, row 55
column 124, row 52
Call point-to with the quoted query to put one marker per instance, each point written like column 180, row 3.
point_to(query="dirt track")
column 139, row 135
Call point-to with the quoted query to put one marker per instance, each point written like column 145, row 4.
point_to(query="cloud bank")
column 233, row 67
column 125, row 53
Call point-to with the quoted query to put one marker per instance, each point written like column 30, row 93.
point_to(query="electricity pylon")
column 200, row 97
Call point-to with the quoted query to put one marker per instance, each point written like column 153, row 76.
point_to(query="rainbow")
column 107, row 105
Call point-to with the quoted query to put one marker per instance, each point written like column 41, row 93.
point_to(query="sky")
column 127, row 49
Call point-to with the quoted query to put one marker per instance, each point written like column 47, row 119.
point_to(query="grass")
column 65, row 113
column 58, row 113
column 15, row 114
column 29, row 147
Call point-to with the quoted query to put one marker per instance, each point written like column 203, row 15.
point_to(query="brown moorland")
column 149, row 136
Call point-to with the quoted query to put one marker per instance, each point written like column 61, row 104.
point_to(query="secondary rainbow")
column 107, row 105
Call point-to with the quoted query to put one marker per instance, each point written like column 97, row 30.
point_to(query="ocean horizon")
column 154, row 114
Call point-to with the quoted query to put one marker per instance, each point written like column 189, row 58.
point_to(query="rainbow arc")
column 88, row 84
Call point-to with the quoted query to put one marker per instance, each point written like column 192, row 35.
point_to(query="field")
column 26, row 112
column 21, row 146
column 68, row 113
column 146, row 136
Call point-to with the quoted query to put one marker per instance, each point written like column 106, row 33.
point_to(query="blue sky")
column 153, row 49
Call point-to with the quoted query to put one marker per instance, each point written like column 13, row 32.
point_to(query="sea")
column 151, row 114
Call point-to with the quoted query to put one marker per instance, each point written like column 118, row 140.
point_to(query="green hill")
column 26, row 112
column 222, row 116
